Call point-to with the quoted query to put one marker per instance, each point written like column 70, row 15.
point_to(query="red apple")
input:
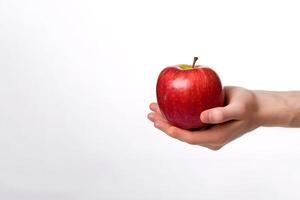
column 184, row 91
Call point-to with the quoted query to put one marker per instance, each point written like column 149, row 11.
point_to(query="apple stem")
column 195, row 60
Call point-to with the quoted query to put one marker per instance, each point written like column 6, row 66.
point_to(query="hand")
column 239, row 116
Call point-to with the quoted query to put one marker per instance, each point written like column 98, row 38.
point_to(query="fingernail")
column 205, row 117
column 150, row 116
column 151, row 106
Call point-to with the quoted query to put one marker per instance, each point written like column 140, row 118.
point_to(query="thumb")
column 220, row 114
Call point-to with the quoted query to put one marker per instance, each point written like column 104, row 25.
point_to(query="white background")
column 76, row 78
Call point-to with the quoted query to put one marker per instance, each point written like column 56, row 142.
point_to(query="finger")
column 173, row 131
column 220, row 134
column 154, row 116
column 154, row 107
column 221, row 114
column 213, row 138
column 183, row 135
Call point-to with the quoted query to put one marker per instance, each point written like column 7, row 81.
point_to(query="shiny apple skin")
column 182, row 94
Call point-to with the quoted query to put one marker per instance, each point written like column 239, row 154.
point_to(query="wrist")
column 274, row 108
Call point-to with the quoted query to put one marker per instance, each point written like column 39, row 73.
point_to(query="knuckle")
column 215, row 148
column 219, row 115
column 242, row 108
column 171, row 132
column 191, row 141
column 220, row 140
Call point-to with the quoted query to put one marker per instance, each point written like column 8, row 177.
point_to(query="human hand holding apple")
column 244, row 110
column 192, row 97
